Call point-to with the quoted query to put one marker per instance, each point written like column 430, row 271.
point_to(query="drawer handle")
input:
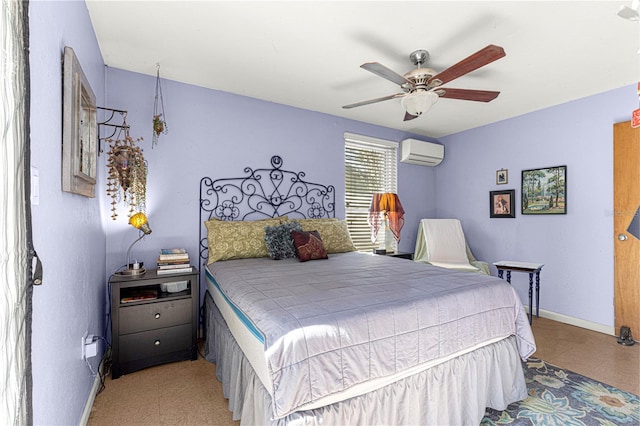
column 157, row 343
column 157, row 315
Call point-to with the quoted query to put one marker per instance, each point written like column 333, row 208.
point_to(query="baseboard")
column 97, row 383
column 578, row 322
column 89, row 405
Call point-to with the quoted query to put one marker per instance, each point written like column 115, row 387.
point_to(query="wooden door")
column 626, row 227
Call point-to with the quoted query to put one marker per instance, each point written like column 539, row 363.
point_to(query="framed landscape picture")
column 502, row 203
column 544, row 190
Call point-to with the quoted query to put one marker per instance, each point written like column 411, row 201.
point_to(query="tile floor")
column 187, row 393
column 592, row 354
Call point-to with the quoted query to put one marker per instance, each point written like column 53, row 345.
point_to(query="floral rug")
column 561, row 397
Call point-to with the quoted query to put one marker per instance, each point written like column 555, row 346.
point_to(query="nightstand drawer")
column 151, row 316
column 155, row 342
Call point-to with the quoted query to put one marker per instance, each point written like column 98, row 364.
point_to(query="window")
column 370, row 166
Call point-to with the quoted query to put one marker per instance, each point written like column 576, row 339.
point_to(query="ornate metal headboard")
column 262, row 193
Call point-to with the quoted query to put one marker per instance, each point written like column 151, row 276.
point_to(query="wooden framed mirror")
column 79, row 129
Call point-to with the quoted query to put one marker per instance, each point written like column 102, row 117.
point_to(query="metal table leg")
column 538, row 294
column 531, row 298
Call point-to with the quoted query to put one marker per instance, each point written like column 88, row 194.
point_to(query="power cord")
column 104, row 367
column 105, row 363
column 107, row 323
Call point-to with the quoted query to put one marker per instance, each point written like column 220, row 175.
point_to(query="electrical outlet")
column 89, row 346
column 91, row 349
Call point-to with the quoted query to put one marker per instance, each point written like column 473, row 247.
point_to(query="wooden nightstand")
column 150, row 326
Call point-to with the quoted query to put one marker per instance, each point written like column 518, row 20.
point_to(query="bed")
column 344, row 337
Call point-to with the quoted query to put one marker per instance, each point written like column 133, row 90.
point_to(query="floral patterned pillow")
column 308, row 245
column 335, row 234
column 237, row 240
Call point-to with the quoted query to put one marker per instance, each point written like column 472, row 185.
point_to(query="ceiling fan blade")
column 373, row 101
column 467, row 95
column 408, row 116
column 386, row 73
column 479, row 59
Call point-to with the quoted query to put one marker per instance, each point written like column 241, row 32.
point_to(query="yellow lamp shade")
column 139, row 221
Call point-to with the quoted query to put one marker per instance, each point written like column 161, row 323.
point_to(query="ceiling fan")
column 421, row 87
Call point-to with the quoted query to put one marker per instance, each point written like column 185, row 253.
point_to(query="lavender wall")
column 68, row 229
column 576, row 248
column 218, row 134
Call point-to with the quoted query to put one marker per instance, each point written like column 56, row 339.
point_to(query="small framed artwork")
column 501, row 204
column 502, row 177
column 544, row 190
column 79, row 129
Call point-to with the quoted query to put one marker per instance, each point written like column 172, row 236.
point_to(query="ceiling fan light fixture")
column 421, row 86
column 419, row 102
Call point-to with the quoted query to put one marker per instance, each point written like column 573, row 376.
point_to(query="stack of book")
column 173, row 261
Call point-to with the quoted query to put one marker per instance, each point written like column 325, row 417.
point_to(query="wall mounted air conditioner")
column 424, row 153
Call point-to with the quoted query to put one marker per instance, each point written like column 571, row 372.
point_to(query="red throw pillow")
column 308, row 245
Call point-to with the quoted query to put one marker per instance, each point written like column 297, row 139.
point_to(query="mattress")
column 320, row 332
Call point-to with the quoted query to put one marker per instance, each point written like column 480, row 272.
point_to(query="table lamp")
column 386, row 207
column 140, row 222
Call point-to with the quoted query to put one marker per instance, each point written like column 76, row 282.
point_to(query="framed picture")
column 501, row 203
column 544, row 190
column 502, row 176
column 79, row 129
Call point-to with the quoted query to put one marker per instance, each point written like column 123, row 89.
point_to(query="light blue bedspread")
column 331, row 324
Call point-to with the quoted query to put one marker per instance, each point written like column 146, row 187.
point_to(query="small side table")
column 530, row 268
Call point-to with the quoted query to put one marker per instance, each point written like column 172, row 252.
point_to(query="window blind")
column 370, row 166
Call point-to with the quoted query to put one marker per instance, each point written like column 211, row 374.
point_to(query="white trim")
column 369, row 140
column 94, row 392
column 89, row 405
column 578, row 322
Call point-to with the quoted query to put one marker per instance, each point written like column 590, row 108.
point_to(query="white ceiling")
column 307, row 54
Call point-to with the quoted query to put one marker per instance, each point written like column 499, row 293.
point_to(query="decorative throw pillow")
column 308, row 245
column 335, row 235
column 279, row 240
column 237, row 240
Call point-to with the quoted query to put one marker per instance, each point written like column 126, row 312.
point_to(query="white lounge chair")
column 441, row 242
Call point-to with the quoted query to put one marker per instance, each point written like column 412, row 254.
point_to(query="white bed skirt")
column 455, row 392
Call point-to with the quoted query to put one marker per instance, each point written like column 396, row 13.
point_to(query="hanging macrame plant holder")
column 159, row 118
